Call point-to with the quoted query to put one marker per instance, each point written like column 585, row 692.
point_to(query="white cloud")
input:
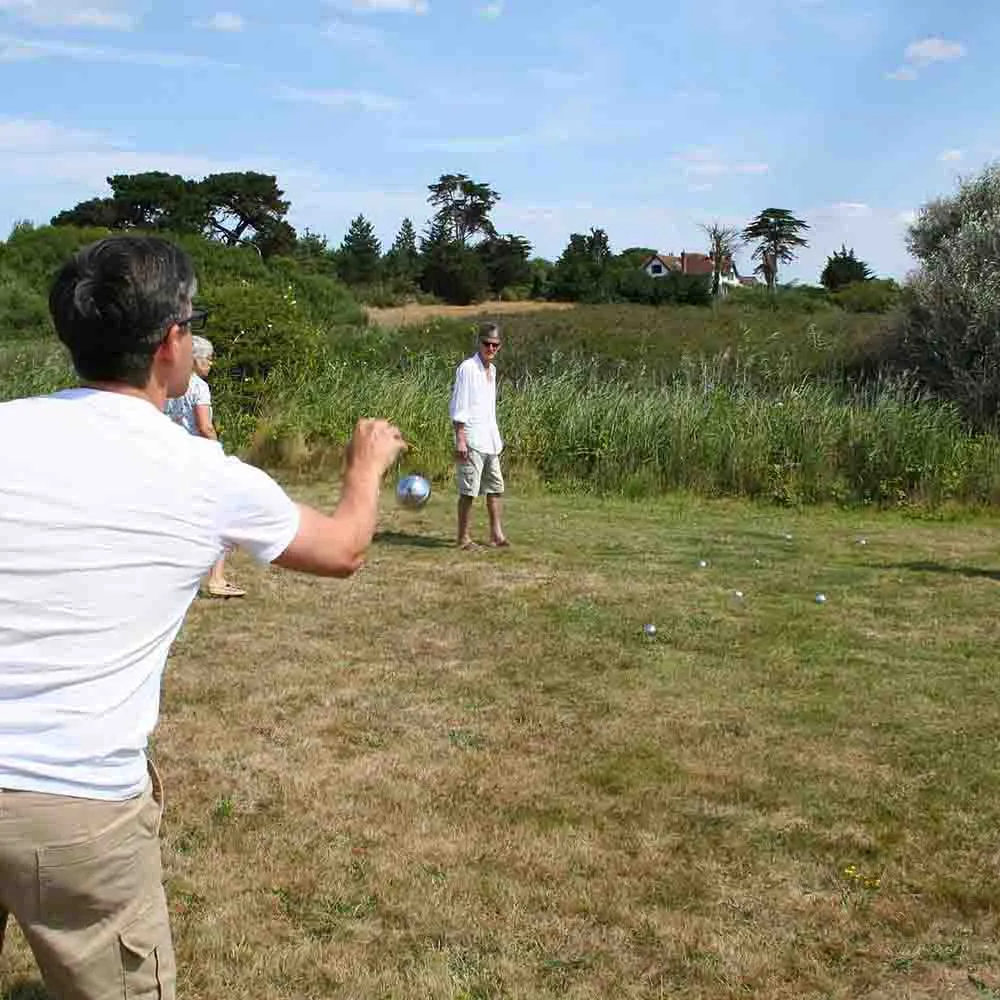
column 921, row 54
column 706, row 161
column 224, row 21
column 931, row 50
column 363, row 35
column 32, row 135
column 363, row 99
column 951, row 156
column 846, row 210
column 69, row 14
column 379, row 6
column 26, row 48
column 492, row 10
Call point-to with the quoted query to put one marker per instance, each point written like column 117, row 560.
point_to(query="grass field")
column 471, row 775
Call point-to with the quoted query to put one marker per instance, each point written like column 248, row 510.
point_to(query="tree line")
column 460, row 257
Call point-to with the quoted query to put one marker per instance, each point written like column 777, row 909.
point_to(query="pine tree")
column 402, row 262
column 359, row 260
column 843, row 269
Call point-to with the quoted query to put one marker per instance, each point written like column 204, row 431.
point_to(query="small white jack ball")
column 821, row 598
column 703, row 564
column 650, row 630
column 738, row 595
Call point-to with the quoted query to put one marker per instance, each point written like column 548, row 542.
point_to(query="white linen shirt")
column 110, row 514
column 474, row 404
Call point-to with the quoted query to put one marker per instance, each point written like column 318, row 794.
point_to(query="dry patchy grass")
column 414, row 314
column 472, row 776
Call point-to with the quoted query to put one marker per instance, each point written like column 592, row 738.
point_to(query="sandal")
column 470, row 546
column 504, row 543
column 225, row 590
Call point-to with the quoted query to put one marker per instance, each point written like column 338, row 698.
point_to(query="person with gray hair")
column 478, row 443
column 110, row 515
column 193, row 411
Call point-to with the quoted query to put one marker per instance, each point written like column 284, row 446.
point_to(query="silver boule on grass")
column 413, row 491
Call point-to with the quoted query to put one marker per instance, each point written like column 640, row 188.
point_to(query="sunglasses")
column 197, row 321
column 495, row 344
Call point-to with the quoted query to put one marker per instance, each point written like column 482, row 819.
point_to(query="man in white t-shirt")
column 109, row 516
column 477, row 438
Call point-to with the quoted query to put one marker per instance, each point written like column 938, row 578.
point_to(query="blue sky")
column 644, row 119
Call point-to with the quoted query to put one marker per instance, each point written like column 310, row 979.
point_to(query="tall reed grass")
column 749, row 428
column 708, row 429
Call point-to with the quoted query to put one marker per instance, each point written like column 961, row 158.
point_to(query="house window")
column 656, row 269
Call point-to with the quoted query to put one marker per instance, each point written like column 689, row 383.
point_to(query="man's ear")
column 171, row 344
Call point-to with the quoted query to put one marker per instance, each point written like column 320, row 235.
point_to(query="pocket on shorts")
column 91, row 880
column 147, row 953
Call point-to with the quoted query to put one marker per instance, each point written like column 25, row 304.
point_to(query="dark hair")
column 113, row 302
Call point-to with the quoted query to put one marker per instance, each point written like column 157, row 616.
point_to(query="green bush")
column 873, row 296
column 949, row 332
column 24, row 311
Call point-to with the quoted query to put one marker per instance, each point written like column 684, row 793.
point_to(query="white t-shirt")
column 474, row 403
column 181, row 409
column 110, row 514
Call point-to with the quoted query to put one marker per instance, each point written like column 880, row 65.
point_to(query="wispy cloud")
column 923, row 53
column 382, row 6
column 707, row 161
column 69, row 14
column 492, row 10
column 26, row 48
column 366, row 100
column 361, row 35
column 951, row 156
column 34, row 135
column 932, row 50
column 224, row 20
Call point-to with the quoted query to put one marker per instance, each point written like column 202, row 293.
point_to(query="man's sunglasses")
column 197, row 321
column 490, row 343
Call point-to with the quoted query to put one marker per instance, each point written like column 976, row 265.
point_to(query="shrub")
column 872, row 296
column 24, row 311
column 949, row 333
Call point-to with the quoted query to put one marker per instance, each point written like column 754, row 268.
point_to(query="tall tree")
column 158, row 200
column 450, row 270
column 843, row 268
column 463, row 207
column 403, row 259
column 777, row 233
column 722, row 242
column 582, row 272
column 360, row 257
column 506, row 261
column 241, row 204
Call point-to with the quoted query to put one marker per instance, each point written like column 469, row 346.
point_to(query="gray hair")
column 201, row 347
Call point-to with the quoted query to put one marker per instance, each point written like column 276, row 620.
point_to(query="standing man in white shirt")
column 477, row 438
column 110, row 514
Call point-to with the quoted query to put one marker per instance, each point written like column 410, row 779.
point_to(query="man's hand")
column 374, row 446
column 461, row 447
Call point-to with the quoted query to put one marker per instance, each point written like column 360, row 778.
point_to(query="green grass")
column 472, row 775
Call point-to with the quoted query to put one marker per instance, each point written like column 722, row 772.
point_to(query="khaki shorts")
column 479, row 475
column 83, row 879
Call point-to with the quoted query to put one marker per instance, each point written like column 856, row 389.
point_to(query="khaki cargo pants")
column 83, row 880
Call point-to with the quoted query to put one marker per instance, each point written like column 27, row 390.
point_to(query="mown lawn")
column 473, row 775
